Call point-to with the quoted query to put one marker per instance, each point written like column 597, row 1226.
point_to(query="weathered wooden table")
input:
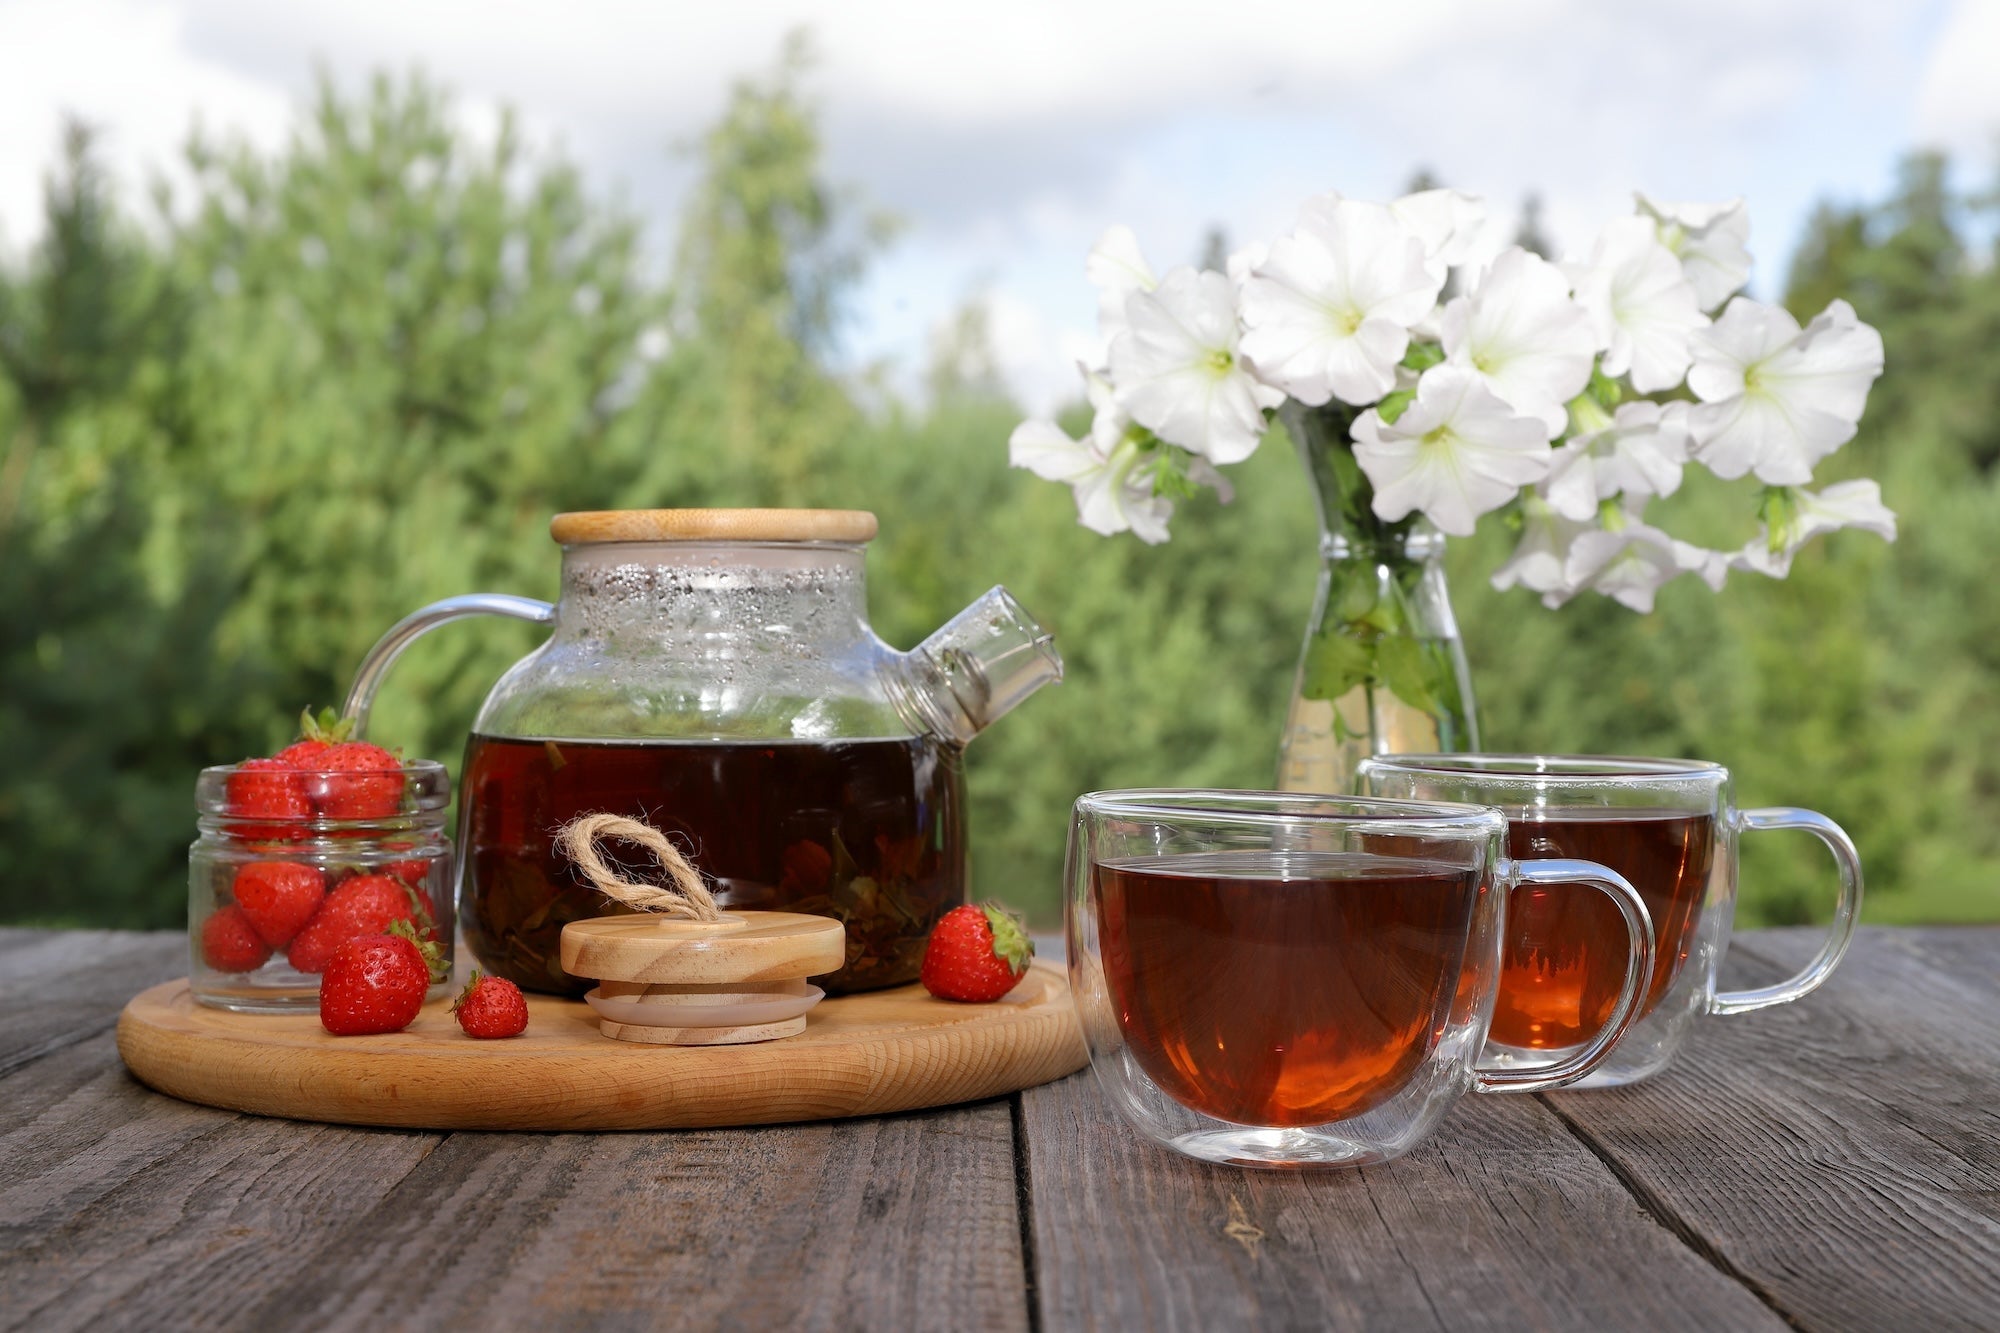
column 1831, row 1164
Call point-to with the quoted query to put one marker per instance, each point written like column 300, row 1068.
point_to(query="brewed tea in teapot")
column 713, row 673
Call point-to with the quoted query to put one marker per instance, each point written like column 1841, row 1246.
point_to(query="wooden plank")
column 123, row 1208
column 58, row 987
column 1841, row 1154
column 1503, row 1220
column 899, row 1222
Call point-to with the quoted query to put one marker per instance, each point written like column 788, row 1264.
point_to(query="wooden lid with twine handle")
column 679, row 970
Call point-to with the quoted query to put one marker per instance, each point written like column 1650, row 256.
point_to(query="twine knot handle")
column 683, row 895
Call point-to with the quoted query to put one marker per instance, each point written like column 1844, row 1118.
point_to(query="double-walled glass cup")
column 1667, row 825
column 1287, row 980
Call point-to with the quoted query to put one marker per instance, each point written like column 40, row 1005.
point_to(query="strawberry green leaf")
column 433, row 956
column 1010, row 941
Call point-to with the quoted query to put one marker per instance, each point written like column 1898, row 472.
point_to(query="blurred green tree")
column 357, row 374
column 104, row 697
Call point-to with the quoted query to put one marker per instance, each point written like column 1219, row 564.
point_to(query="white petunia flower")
column 1712, row 241
column 1640, row 453
column 1045, row 449
column 1114, row 493
column 1711, row 567
column 1242, row 263
column 1642, row 308
column 1120, row 497
column 1520, row 332
column 1117, row 269
column 1446, row 221
column 1178, row 371
column 1455, row 453
column 1541, row 557
column 1328, row 311
column 1775, row 399
column 1846, row 504
column 1628, row 564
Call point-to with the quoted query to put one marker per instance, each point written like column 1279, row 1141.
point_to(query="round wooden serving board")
column 892, row 1050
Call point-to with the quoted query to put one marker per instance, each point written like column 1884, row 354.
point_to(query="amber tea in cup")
column 1274, row 979
column 1283, row 989
column 1668, row 826
column 1565, row 954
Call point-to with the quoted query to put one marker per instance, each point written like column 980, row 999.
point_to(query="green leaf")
column 1411, row 674
column 1395, row 404
column 1336, row 663
column 1352, row 595
column 1010, row 939
column 1423, row 355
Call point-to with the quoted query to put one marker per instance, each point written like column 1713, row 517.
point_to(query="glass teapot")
column 712, row 671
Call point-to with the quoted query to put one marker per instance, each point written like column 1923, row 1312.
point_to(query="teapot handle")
column 368, row 679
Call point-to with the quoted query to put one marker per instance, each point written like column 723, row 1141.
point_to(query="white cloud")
column 1010, row 135
column 124, row 67
column 1958, row 106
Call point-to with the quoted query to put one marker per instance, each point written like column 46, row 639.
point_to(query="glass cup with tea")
column 1286, row 980
column 1667, row 825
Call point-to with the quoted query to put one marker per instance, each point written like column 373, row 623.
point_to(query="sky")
column 1007, row 137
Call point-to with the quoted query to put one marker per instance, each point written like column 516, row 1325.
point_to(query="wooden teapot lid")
column 712, row 525
column 742, row 946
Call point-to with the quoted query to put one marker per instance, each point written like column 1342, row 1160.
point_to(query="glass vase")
column 1383, row 669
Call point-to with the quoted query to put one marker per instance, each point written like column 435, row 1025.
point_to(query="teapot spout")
column 990, row 656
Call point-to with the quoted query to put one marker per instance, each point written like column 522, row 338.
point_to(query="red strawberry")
column 412, row 873
column 491, row 1007
column 302, row 755
column 317, row 735
column 267, row 789
column 363, row 905
column 279, row 897
column 976, row 954
column 360, row 781
column 374, row 983
column 229, row 943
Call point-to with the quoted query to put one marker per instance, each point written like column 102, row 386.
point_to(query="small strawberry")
column 375, row 983
column 358, row 781
column 229, row 943
column 413, row 872
column 317, row 735
column 363, row 905
column 491, row 1007
column 976, row 954
column 267, row 789
column 279, row 897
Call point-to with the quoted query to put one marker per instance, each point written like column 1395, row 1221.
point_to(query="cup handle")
column 1846, row 912
column 1638, row 973
column 368, row 678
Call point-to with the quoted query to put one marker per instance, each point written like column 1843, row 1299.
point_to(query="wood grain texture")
column 715, row 525
column 123, row 1209
column 859, row 1055
column 890, row 1223
column 1503, row 1220
column 63, row 986
column 1834, row 1164
column 1842, row 1154
column 742, row 946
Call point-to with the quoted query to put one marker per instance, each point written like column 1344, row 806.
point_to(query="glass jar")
column 713, row 673
column 275, row 887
